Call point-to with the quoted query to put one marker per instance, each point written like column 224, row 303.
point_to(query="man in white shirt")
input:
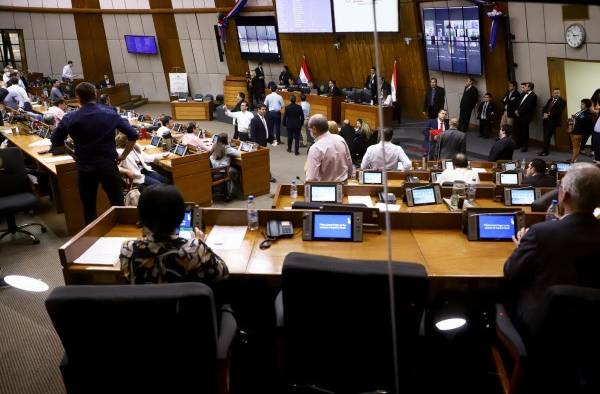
column 243, row 118
column 460, row 172
column 6, row 75
column 306, row 110
column 23, row 98
column 57, row 111
column 329, row 158
column 395, row 158
column 274, row 103
column 67, row 72
column 166, row 126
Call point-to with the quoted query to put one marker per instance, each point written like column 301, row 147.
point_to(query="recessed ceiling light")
column 450, row 324
column 26, row 283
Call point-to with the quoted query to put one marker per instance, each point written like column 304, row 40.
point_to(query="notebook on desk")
column 105, row 251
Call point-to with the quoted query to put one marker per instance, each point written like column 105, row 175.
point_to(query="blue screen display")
column 145, row 45
column 186, row 223
column 496, row 226
column 563, row 167
column 452, row 39
column 332, row 226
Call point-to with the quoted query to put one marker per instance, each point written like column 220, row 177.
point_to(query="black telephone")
column 279, row 229
column 391, row 198
column 412, row 179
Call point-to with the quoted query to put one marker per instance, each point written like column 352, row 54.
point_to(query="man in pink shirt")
column 329, row 157
column 57, row 111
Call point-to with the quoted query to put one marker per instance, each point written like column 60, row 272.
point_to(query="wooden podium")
column 231, row 87
column 368, row 113
column 325, row 105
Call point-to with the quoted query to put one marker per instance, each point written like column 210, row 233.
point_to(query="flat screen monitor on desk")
column 511, row 166
column 563, row 167
column 332, row 226
column 447, row 165
column 180, row 150
column 495, row 224
column 509, row 178
column 371, row 177
column 323, row 192
column 155, row 141
column 424, row 195
column 520, row 196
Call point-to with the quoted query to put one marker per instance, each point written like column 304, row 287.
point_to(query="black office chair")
column 164, row 338
column 336, row 326
column 209, row 97
column 560, row 354
column 15, row 193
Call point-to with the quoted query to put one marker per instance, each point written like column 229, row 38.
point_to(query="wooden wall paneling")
column 556, row 78
column 93, row 47
column 167, row 38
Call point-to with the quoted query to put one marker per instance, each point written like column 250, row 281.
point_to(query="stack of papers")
column 365, row 200
column 391, row 207
column 56, row 159
column 479, row 170
column 226, row 237
column 105, row 251
column 44, row 142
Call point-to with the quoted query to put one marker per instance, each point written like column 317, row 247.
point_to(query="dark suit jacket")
column 527, row 107
column 555, row 113
column 556, row 252
column 258, row 133
column 432, row 124
column 540, row 180
column 490, row 112
column 284, row 78
column 371, row 86
column 541, row 204
column 511, row 102
column 347, row 133
column 258, row 85
column 335, row 91
column 438, row 100
column 451, row 142
column 293, row 117
column 469, row 98
column 502, row 150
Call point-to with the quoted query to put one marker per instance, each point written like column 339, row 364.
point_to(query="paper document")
column 366, row 200
column 479, row 170
column 6, row 131
column 56, row 159
column 226, row 237
column 391, row 207
column 44, row 142
column 105, row 251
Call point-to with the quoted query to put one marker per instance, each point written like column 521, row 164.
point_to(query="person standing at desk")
column 55, row 92
column 92, row 128
column 435, row 99
column 67, row 72
column 274, row 103
column 242, row 120
column 329, row 158
column 371, row 84
column 441, row 123
column 293, row 119
column 451, row 142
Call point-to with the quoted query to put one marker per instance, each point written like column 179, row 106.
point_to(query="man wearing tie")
column 468, row 101
column 485, row 113
column 524, row 113
column 259, row 132
column 510, row 101
column 440, row 123
column 552, row 113
column 435, row 99
column 371, row 84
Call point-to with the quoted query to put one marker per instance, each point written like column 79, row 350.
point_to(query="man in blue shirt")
column 274, row 103
column 92, row 129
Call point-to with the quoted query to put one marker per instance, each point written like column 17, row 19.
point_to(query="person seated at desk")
column 56, row 93
column 57, row 110
column 536, row 176
column 104, row 99
column 220, row 157
column 106, row 82
column 190, row 138
column 136, row 161
column 563, row 251
column 360, row 141
column 394, row 154
column 332, row 89
column 161, row 256
column 313, row 89
column 505, row 146
column 166, row 126
column 329, row 158
column 460, row 172
column 17, row 96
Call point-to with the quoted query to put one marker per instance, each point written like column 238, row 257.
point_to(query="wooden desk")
column 368, row 113
column 119, row 94
column 438, row 244
column 325, row 105
column 231, row 87
column 255, row 170
column 192, row 110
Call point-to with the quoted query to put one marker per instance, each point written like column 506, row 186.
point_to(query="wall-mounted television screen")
column 357, row 15
column 453, row 39
column 306, row 16
column 143, row 45
column 258, row 38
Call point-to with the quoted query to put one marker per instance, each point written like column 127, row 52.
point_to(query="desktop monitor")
column 435, row 175
column 509, row 178
column 246, row 146
column 510, row 166
column 371, row 177
column 323, row 192
column 423, row 195
column 520, row 196
column 180, row 150
column 332, row 226
column 563, row 166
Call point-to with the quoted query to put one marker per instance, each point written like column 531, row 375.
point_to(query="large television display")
column 304, row 16
column 258, row 38
column 453, row 39
column 144, row 45
column 357, row 15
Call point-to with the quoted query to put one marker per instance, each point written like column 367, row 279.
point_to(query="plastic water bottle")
column 523, row 167
column 294, row 191
column 552, row 212
column 252, row 214
column 472, row 190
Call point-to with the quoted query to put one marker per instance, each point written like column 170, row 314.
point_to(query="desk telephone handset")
column 276, row 229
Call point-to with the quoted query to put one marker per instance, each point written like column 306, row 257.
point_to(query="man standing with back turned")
column 92, row 129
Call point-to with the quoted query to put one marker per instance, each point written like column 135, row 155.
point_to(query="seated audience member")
column 332, row 89
column 333, row 127
column 56, row 93
column 505, row 146
column 360, row 141
column 17, row 96
column 329, row 157
column 347, row 132
column 363, row 128
column 136, row 163
column 57, row 111
column 536, row 176
column 161, row 256
column 451, row 142
column 460, row 172
column 394, row 154
column 221, row 152
column 104, row 99
column 557, row 252
column 190, row 138
column 166, row 126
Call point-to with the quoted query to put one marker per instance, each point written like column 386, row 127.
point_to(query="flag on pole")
column 394, row 81
column 304, row 73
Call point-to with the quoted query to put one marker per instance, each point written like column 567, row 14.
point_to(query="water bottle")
column 294, row 191
column 552, row 213
column 523, row 167
column 472, row 190
column 252, row 214
column 458, row 193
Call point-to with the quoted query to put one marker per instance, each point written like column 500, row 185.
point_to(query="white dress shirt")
column 19, row 91
column 242, row 118
column 274, row 102
column 135, row 162
column 162, row 130
column 305, row 109
column 394, row 154
column 458, row 174
column 67, row 72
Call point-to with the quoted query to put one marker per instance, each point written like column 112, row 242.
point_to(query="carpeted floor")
column 30, row 351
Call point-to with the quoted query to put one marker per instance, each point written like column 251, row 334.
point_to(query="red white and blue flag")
column 224, row 21
column 304, row 73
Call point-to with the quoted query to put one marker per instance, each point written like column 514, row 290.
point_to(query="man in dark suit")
column 258, row 87
column 332, row 89
column 259, row 132
column 536, row 176
column 468, row 102
column 293, row 119
column 525, row 111
column 371, row 84
column 552, row 113
column 556, row 252
column 505, row 146
column 451, row 142
column 510, row 102
column 435, row 98
column 485, row 114
column 439, row 123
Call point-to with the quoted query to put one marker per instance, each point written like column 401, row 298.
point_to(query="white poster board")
column 178, row 83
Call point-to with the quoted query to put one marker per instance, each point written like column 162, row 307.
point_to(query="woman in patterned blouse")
column 161, row 256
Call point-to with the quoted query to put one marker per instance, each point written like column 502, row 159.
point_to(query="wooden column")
column 167, row 38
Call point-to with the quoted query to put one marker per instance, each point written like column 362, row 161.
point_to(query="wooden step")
column 135, row 103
